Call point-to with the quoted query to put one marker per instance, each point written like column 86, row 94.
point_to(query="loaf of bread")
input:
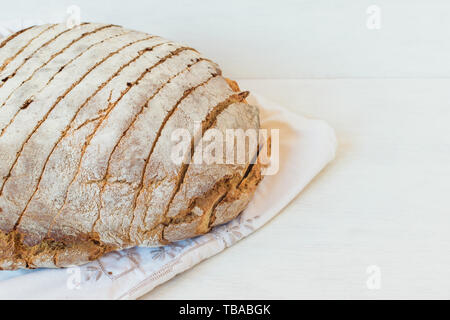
column 86, row 122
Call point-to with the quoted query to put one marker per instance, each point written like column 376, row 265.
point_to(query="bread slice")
column 86, row 122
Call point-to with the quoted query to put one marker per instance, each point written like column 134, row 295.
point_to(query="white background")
column 283, row 39
column 384, row 201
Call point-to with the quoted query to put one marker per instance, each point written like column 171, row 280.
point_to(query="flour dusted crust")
column 86, row 117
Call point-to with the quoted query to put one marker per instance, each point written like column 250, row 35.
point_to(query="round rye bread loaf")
column 87, row 123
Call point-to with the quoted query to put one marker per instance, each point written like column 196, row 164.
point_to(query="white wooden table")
column 383, row 202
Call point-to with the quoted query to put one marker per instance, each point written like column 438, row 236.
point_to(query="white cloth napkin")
column 306, row 146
